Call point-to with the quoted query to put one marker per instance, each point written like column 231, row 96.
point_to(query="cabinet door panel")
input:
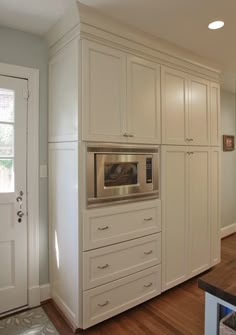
column 215, row 114
column 174, row 107
column 215, row 206
column 174, row 231
column 143, row 94
column 104, row 87
column 199, row 111
column 199, row 222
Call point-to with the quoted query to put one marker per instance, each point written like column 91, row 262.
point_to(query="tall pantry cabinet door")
column 199, row 216
column 174, row 216
column 215, row 206
column 215, row 113
column 103, row 92
column 174, row 95
column 199, row 114
column 143, row 100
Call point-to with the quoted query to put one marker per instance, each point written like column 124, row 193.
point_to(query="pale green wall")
column 24, row 49
column 228, row 161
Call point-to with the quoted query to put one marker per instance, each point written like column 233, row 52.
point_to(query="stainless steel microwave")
column 121, row 173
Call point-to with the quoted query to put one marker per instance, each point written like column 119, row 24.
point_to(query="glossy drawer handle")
column 148, row 285
column 104, row 304
column 148, row 252
column 103, row 228
column 103, row 266
column 148, row 219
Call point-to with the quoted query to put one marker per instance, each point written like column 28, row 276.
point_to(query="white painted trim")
column 32, row 75
column 228, row 230
column 45, row 292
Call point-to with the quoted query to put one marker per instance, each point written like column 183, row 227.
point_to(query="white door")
column 174, row 214
column 143, row 100
column 174, row 99
column 199, row 116
column 104, row 93
column 199, row 215
column 13, row 201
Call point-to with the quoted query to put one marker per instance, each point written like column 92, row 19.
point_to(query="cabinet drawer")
column 110, row 263
column 108, row 300
column 109, row 225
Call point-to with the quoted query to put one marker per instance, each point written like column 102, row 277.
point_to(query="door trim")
column 32, row 75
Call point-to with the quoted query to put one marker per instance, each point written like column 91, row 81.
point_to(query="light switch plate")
column 43, row 171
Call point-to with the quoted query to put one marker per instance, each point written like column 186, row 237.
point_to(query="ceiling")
column 182, row 22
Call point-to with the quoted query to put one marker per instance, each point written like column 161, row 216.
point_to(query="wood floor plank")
column 179, row 311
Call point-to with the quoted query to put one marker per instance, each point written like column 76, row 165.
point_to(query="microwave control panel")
column 149, row 170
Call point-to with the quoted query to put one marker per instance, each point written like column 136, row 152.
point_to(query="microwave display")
column 120, row 174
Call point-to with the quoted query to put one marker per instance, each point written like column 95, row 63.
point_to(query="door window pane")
column 6, row 175
column 6, row 140
column 6, row 105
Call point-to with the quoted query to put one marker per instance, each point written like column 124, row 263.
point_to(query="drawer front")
column 108, row 300
column 109, row 225
column 113, row 262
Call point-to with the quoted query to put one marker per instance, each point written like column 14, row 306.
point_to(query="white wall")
column 31, row 51
column 228, row 161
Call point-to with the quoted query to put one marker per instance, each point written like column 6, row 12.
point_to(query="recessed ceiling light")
column 216, row 25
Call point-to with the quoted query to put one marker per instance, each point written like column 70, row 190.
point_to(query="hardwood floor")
column 179, row 311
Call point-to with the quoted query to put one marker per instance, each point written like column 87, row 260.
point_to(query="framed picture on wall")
column 228, row 142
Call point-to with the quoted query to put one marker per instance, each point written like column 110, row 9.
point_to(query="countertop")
column 221, row 282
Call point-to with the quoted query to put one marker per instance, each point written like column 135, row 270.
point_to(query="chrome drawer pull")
column 103, row 228
column 148, row 285
column 103, row 267
column 148, row 219
column 105, row 303
column 148, row 252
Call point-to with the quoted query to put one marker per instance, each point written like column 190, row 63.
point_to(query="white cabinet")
column 143, row 100
column 120, row 96
column 108, row 300
column 174, row 97
column 190, row 235
column 103, row 93
column 115, row 224
column 215, row 114
column 190, row 109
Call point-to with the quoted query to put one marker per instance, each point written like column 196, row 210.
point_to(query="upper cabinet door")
column 103, row 92
column 174, row 106
column 143, row 100
column 199, row 115
column 215, row 114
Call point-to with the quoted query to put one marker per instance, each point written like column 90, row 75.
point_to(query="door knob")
column 20, row 214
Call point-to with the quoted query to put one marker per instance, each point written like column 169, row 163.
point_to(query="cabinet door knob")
column 148, row 285
column 104, row 304
column 148, row 252
column 147, row 219
column 103, row 266
column 103, row 228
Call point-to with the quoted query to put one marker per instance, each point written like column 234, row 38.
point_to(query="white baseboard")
column 45, row 292
column 228, row 230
